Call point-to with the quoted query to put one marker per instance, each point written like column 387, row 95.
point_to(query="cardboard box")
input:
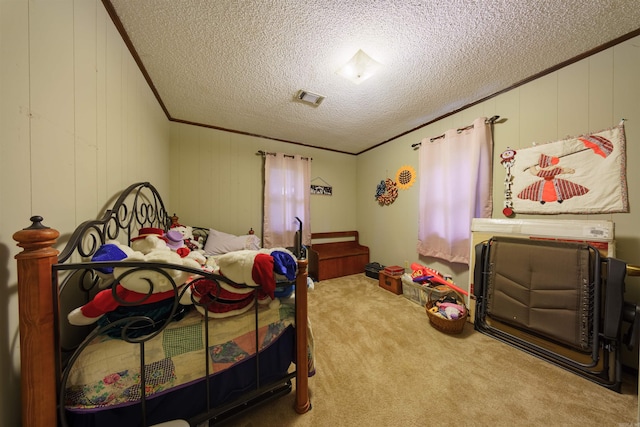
column 420, row 294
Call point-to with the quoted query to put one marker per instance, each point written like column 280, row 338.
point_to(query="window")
column 286, row 197
column 455, row 186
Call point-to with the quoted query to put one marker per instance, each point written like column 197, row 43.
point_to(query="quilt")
column 583, row 175
column 108, row 372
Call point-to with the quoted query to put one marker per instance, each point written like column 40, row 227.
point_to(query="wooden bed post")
column 302, row 360
column 37, row 342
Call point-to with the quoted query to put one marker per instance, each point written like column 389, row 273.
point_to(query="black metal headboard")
column 138, row 206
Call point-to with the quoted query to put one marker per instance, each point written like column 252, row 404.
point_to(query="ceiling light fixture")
column 359, row 68
column 309, row 97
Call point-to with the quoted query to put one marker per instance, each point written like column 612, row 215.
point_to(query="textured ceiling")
column 236, row 65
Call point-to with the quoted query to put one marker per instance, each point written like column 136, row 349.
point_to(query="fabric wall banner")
column 585, row 174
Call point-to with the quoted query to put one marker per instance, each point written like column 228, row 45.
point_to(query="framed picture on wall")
column 324, row 190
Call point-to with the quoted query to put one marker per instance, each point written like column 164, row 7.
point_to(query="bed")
column 180, row 348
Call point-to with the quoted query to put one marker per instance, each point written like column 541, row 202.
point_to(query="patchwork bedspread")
column 108, row 370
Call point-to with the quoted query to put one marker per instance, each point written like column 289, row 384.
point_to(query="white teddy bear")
column 134, row 285
column 149, row 239
column 190, row 240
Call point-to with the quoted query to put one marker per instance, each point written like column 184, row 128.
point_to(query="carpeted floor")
column 380, row 363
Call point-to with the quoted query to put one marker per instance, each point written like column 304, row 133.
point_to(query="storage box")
column 373, row 270
column 394, row 270
column 413, row 291
column 420, row 294
column 390, row 283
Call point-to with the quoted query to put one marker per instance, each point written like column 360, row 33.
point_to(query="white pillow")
column 219, row 242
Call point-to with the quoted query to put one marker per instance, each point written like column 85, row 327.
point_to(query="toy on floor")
column 422, row 274
column 449, row 308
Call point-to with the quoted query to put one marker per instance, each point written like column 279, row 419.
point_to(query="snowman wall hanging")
column 508, row 158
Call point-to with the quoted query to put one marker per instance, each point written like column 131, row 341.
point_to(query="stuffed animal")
column 145, row 286
column 285, row 266
column 112, row 250
column 251, row 268
column 257, row 270
column 190, row 240
column 155, row 239
column 199, row 258
column 220, row 299
column 149, row 239
column 448, row 307
column 175, row 242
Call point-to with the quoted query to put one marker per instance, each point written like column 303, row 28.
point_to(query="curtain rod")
column 492, row 120
column 265, row 153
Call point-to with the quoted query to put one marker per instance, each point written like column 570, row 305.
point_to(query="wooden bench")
column 342, row 256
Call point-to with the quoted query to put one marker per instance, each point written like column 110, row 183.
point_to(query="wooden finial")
column 37, row 237
column 174, row 221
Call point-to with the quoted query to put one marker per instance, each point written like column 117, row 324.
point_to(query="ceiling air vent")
column 309, row 97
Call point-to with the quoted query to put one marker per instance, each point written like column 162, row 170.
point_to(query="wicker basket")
column 445, row 325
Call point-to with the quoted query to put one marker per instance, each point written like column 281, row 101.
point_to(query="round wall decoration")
column 386, row 192
column 405, row 177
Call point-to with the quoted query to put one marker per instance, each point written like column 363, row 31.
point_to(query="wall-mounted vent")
column 309, row 97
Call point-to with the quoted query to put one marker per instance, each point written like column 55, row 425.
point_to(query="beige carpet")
column 380, row 363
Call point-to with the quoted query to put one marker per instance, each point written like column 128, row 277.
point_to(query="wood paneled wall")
column 78, row 123
column 217, row 181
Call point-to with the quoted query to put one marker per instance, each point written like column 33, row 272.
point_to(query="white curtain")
column 286, row 196
column 455, row 186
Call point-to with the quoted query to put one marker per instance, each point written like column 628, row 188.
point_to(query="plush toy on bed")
column 155, row 239
column 192, row 242
column 242, row 267
column 149, row 239
column 259, row 269
column 134, row 296
column 256, row 269
column 111, row 251
column 177, row 243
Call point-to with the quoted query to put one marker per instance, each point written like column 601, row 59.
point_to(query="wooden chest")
column 336, row 259
column 390, row 283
